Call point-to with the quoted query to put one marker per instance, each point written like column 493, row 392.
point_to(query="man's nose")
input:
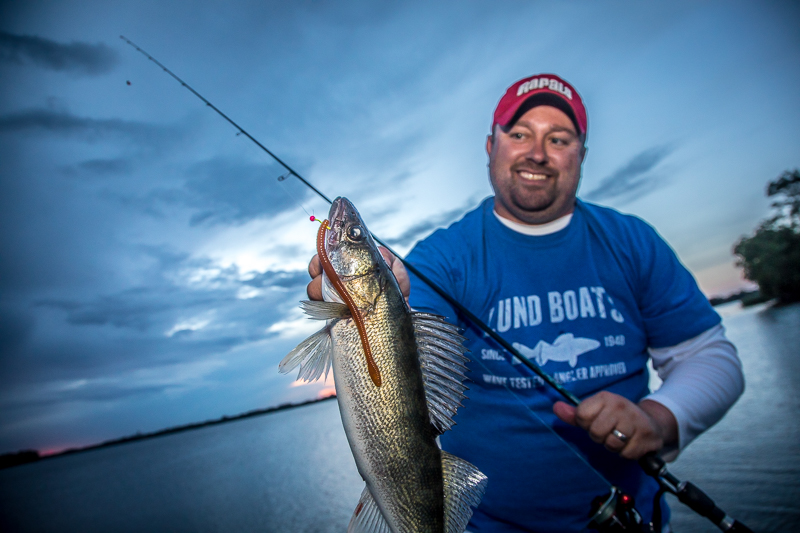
column 537, row 153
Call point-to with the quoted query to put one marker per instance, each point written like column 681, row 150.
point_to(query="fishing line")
column 651, row 463
column 571, row 398
column 541, row 421
column 286, row 190
column 223, row 115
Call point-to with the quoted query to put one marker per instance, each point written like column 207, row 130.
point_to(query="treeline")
column 771, row 255
column 29, row 456
column 18, row 458
column 746, row 297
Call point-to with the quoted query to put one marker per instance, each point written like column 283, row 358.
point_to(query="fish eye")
column 355, row 233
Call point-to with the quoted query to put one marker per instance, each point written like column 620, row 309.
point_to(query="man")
column 590, row 295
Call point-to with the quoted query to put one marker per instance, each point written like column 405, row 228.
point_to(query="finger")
column 565, row 412
column 603, row 425
column 613, row 410
column 617, row 441
column 399, row 271
column 635, row 450
column 401, row 275
column 314, row 289
column 638, row 445
column 315, row 267
column 388, row 256
column 588, row 410
column 642, row 438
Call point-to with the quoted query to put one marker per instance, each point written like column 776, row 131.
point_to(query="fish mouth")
column 342, row 211
column 335, row 222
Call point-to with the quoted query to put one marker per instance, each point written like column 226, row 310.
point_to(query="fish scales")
column 411, row 485
column 388, row 427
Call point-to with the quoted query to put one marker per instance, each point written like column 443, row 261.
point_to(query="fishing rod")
column 613, row 513
column 226, row 117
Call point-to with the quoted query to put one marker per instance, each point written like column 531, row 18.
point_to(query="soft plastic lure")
column 374, row 373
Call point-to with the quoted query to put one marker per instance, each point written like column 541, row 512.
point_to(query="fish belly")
column 388, row 427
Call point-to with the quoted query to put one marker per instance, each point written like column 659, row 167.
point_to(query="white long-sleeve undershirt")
column 702, row 378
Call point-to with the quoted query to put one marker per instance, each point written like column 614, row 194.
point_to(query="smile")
column 530, row 176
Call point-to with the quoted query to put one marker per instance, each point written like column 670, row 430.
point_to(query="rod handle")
column 702, row 504
column 690, row 495
column 652, row 464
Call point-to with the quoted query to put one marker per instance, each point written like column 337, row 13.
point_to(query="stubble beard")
column 530, row 206
column 538, row 206
column 533, row 202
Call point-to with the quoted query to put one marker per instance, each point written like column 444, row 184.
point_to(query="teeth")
column 531, row 176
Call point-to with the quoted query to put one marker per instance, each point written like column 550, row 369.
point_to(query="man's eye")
column 355, row 233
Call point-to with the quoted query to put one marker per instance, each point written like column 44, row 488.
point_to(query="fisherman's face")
column 535, row 166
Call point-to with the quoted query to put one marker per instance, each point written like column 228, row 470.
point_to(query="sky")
column 152, row 261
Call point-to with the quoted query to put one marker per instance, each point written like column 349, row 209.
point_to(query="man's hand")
column 314, row 288
column 648, row 426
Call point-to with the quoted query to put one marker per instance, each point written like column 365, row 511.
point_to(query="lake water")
column 292, row 471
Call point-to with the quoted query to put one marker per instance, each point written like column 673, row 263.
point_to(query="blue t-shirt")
column 584, row 303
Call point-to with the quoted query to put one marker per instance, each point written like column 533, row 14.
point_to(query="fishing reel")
column 615, row 513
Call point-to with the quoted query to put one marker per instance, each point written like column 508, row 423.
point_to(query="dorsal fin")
column 441, row 354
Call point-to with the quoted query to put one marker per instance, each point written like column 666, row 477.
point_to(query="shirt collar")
column 536, row 229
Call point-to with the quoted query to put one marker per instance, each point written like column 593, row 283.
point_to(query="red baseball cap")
column 540, row 89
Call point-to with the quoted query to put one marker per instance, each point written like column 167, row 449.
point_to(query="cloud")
column 187, row 296
column 16, row 327
column 279, row 278
column 633, row 180
column 118, row 383
column 77, row 57
column 184, row 323
column 134, row 308
column 91, row 129
column 103, row 167
column 225, row 191
column 423, row 227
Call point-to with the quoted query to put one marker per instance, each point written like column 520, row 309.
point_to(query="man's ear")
column 489, row 143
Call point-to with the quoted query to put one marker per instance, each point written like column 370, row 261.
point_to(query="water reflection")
column 750, row 462
column 292, row 470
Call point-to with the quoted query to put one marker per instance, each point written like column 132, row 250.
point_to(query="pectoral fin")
column 313, row 355
column 367, row 517
column 324, row 310
column 464, row 486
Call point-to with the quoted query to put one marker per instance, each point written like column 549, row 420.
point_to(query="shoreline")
column 12, row 459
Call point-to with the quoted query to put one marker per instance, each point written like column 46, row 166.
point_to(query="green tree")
column 771, row 256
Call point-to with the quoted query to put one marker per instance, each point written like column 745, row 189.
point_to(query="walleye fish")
column 398, row 377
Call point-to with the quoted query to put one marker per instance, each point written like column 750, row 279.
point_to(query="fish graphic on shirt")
column 566, row 347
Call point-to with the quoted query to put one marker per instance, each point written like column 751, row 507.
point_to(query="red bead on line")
column 312, row 218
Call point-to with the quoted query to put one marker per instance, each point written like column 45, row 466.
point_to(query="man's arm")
column 702, row 380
